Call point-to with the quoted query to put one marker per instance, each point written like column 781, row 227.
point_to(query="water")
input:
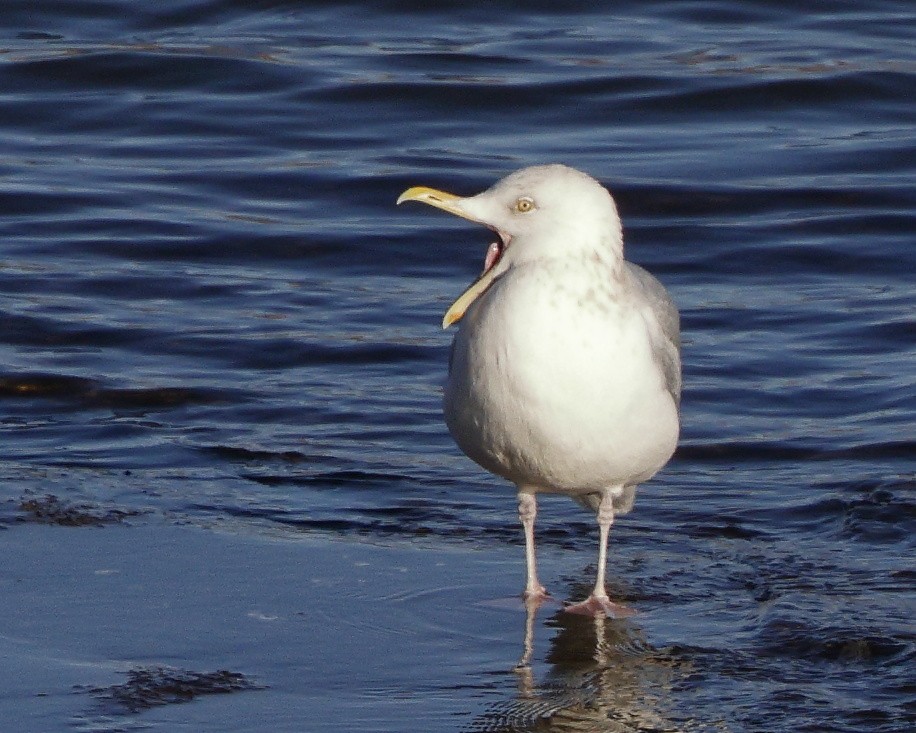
column 224, row 468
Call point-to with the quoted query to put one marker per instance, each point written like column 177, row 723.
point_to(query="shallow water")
column 220, row 366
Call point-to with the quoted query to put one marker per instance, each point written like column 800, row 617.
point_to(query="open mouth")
column 495, row 253
column 452, row 204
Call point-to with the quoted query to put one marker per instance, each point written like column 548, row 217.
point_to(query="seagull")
column 565, row 374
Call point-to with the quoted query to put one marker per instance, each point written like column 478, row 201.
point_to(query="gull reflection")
column 601, row 675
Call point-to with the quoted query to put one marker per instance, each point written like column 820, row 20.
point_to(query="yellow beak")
column 439, row 199
column 448, row 202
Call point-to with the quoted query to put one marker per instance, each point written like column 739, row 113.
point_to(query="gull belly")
column 552, row 382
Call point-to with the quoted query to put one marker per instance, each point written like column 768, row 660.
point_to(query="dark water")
column 224, row 476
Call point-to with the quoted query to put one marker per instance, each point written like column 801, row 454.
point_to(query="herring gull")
column 564, row 375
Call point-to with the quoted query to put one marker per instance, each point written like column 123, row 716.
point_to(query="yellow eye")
column 524, row 205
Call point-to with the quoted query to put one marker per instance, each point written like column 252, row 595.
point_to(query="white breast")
column 552, row 383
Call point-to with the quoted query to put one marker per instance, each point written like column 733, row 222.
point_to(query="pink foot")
column 604, row 606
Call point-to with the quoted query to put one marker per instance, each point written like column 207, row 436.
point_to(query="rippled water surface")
column 229, row 501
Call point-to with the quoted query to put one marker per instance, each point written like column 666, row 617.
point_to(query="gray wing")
column 666, row 346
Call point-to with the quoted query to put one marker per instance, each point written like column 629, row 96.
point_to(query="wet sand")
column 147, row 623
column 346, row 633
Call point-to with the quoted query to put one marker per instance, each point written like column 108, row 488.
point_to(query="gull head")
column 544, row 212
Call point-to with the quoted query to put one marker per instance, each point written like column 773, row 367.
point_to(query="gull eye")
column 524, row 205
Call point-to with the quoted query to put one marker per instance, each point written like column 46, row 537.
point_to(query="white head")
column 541, row 212
column 550, row 211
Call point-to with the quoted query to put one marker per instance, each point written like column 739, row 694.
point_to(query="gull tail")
column 623, row 502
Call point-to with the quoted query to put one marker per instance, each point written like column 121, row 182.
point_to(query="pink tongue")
column 494, row 252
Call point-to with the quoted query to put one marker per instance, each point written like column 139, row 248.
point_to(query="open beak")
column 450, row 202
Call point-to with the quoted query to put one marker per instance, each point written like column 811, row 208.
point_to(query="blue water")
column 220, row 339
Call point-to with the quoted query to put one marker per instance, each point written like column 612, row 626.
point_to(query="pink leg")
column 527, row 511
column 598, row 602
